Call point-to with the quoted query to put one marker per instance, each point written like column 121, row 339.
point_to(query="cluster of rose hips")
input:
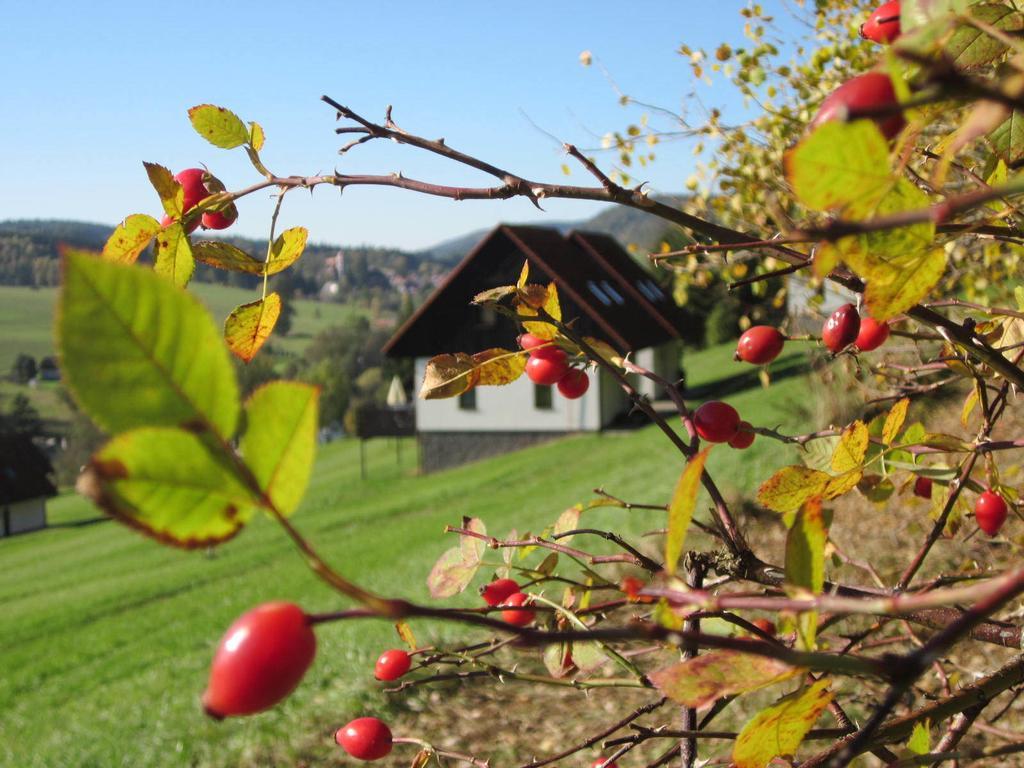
column 871, row 94
column 265, row 654
column 763, row 343
column 719, row 422
column 549, row 365
column 198, row 184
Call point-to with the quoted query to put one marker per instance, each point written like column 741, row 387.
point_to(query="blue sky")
column 93, row 90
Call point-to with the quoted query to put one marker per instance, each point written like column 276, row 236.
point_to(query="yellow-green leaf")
column 840, row 484
column 173, row 255
column 450, row 574
column 287, row 248
column 164, row 482
column 805, row 563
column 920, row 742
column 778, row 730
column 524, row 275
column 223, row 255
column 838, row 164
column 448, row 376
column 704, row 679
column 680, row 508
column 221, row 127
column 852, row 446
column 256, row 136
column 250, row 325
column 790, row 487
column 472, row 548
column 894, row 421
column 405, row 632
column 604, row 350
column 497, row 367
column 130, row 238
column 279, row 443
column 172, row 196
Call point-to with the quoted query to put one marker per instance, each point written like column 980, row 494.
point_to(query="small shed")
column 602, row 289
column 25, row 485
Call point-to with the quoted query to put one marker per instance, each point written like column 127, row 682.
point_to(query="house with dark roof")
column 602, row 290
column 25, row 485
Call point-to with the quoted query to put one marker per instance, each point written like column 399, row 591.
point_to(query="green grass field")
column 107, row 636
column 26, row 316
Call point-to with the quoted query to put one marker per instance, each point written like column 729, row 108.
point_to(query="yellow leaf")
column 130, row 238
column 497, row 367
column 851, row 449
column 447, row 376
column 249, row 326
column 894, row 421
column 778, row 730
column 680, row 509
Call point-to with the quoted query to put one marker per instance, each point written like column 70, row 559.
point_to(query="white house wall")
column 27, row 515
column 510, row 409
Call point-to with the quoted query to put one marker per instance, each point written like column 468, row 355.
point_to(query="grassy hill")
column 26, row 316
column 107, row 636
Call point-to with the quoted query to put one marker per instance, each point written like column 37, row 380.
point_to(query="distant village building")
column 602, row 290
column 25, row 485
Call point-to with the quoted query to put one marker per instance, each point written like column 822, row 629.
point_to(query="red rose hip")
column 574, row 384
column 602, row 763
column 513, row 613
column 220, row 219
column 760, row 345
column 744, row 436
column 872, row 334
column 990, row 511
column 498, row 591
column 883, row 25
column 259, row 661
column 716, row 422
column 193, row 184
column 528, row 341
column 870, row 91
column 365, row 738
column 392, row 665
column 765, row 625
column 547, row 370
column 923, row 487
column 841, row 328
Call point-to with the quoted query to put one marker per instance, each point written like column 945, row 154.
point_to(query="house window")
column 467, row 400
column 601, row 295
column 542, row 397
column 610, row 291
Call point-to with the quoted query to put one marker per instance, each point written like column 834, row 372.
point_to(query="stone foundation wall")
column 441, row 450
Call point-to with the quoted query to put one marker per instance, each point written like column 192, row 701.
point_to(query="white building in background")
column 602, row 290
column 25, row 485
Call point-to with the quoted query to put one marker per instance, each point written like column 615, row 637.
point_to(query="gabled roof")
column 601, row 288
column 24, row 471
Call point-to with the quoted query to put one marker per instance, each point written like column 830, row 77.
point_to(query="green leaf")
column 680, row 508
column 279, row 442
column 173, row 255
column 450, row 574
column 166, row 483
column 250, row 325
column 971, row 47
column 805, row 563
column 838, row 164
column 221, row 127
column 136, row 351
column 256, row 136
column 172, row 196
column 704, row 679
column 853, row 445
column 778, row 730
column 1008, row 139
column 497, row 367
column 286, row 250
column 920, row 742
column 805, row 549
column 471, row 546
column 223, row 255
column 790, row 487
column 130, row 238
